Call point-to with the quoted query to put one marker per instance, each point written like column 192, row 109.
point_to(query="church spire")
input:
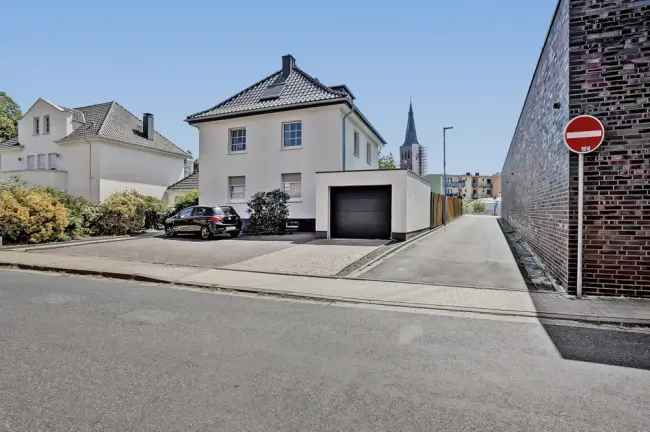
column 411, row 134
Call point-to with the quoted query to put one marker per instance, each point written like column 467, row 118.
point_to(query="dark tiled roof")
column 11, row 142
column 111, row 120
column 189, row 182
column 300, row 88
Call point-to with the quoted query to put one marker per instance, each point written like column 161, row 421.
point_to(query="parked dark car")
column 204, row 221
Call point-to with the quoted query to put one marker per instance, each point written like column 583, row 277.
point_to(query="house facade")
column 277, row 134
column 91, row 151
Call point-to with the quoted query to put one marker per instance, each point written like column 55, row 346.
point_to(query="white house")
column 91, row 151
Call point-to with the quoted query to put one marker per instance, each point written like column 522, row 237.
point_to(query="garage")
column 361, row 212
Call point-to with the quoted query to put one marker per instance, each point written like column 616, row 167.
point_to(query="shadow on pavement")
column 603, row 346
column 298, row 238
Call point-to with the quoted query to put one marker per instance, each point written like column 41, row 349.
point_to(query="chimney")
column 288, row 62
column 147, row 126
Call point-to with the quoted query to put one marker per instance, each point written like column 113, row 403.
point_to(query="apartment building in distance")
column 467, row 186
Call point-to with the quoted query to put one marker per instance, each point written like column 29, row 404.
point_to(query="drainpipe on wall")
column 344, row 135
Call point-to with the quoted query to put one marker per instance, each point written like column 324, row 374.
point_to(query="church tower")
column 412, row 155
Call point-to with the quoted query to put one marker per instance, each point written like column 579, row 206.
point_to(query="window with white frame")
column 292, row 134
column 51, row 161
column 237, row 140
column 46, row 124
column 292, row 185
column 31, row 162
column 42, row 161
column 356, row 144
column 368, row 152
column 37, row 126
column 237, row 188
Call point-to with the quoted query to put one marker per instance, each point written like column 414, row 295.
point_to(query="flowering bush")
column 268, row 212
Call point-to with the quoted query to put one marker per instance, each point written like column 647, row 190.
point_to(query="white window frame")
column 36, row 122
column 284, row 144
column 46, row 125
column 31, row 162
column 231, row 143
column 41, row 161
column 356, row 145
column 239, row 197
column 52, row 161
column 292, row 188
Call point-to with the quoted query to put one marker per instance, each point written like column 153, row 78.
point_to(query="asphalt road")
column 471, row 251
column 83, row 354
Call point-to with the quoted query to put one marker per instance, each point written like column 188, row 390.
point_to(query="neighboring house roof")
column 188, row 183
column 284, row 89
column 11, row 142
column 112, row 121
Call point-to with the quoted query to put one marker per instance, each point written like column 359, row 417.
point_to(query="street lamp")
column 444, row 172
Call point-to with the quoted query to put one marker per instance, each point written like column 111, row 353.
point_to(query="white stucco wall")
column 352, row 162
column 418, row 203
column 410, row 197
column 124, row 168
column 55, row 179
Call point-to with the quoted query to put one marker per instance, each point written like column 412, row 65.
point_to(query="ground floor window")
column 237, row 188
column 292, row 185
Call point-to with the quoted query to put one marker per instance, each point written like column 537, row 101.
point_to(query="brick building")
column 596, row 60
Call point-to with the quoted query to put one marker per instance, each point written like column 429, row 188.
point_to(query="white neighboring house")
column 91, row 151
column 278, row 133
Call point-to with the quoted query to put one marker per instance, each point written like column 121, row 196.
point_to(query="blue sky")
column 466, row 63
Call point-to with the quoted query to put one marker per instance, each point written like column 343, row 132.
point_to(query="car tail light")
column 216, row 219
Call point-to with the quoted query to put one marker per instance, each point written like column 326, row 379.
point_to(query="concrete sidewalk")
column 502, row 302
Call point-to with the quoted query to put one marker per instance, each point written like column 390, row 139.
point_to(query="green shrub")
column 83, row 213
column 478, row 207
column 31, row 215
column 187, row 200
column 268, row 212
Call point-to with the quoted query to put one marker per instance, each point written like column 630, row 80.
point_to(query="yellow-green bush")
column 127, row 213
column 31, row 215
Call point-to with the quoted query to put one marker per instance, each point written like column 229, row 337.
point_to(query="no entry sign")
column 584, row 134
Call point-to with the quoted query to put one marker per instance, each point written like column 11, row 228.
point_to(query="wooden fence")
column 454, row 209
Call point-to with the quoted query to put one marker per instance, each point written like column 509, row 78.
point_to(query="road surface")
column 84, row 354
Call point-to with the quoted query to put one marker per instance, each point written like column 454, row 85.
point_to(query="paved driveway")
column 470, row 251
column 293, row 253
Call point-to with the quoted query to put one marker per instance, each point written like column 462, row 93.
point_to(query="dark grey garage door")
column 360, row 212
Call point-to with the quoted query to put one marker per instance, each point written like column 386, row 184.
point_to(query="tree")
column 268, row 212
column 386, row 161
column 9, row 115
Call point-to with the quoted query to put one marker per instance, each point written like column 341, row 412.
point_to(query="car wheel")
column 235, row 234
column 205, row 233
column 169, row 231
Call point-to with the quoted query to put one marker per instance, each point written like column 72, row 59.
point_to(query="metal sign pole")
column 581, row 168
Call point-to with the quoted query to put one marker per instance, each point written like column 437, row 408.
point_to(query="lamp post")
column 444, row 172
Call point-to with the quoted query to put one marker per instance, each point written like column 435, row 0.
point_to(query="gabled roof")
column 189, row 182
column 291, row 89
column 112, row 121
column 10, row 143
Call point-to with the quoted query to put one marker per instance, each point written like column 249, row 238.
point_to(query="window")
column 51, row 161
column 356, row 143
column 185, row 213
column 368, row 152
column 292, row 134
column 237, row 140
column 31, row 162
column 42, row 161
column 0, row 162
column 237, row 188
column 46, row 124
column 37, row 126
column 292, row 184
column 203, row 211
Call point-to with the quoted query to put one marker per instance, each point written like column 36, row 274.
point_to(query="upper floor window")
column 292, row 185
column 46, row 124
column 237, row 188
column 356, row 144
column 292, row 134
column 37, row 126
column 237, row 140
column 369, row 152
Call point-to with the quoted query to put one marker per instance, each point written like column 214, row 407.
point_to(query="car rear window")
column 218, row 211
